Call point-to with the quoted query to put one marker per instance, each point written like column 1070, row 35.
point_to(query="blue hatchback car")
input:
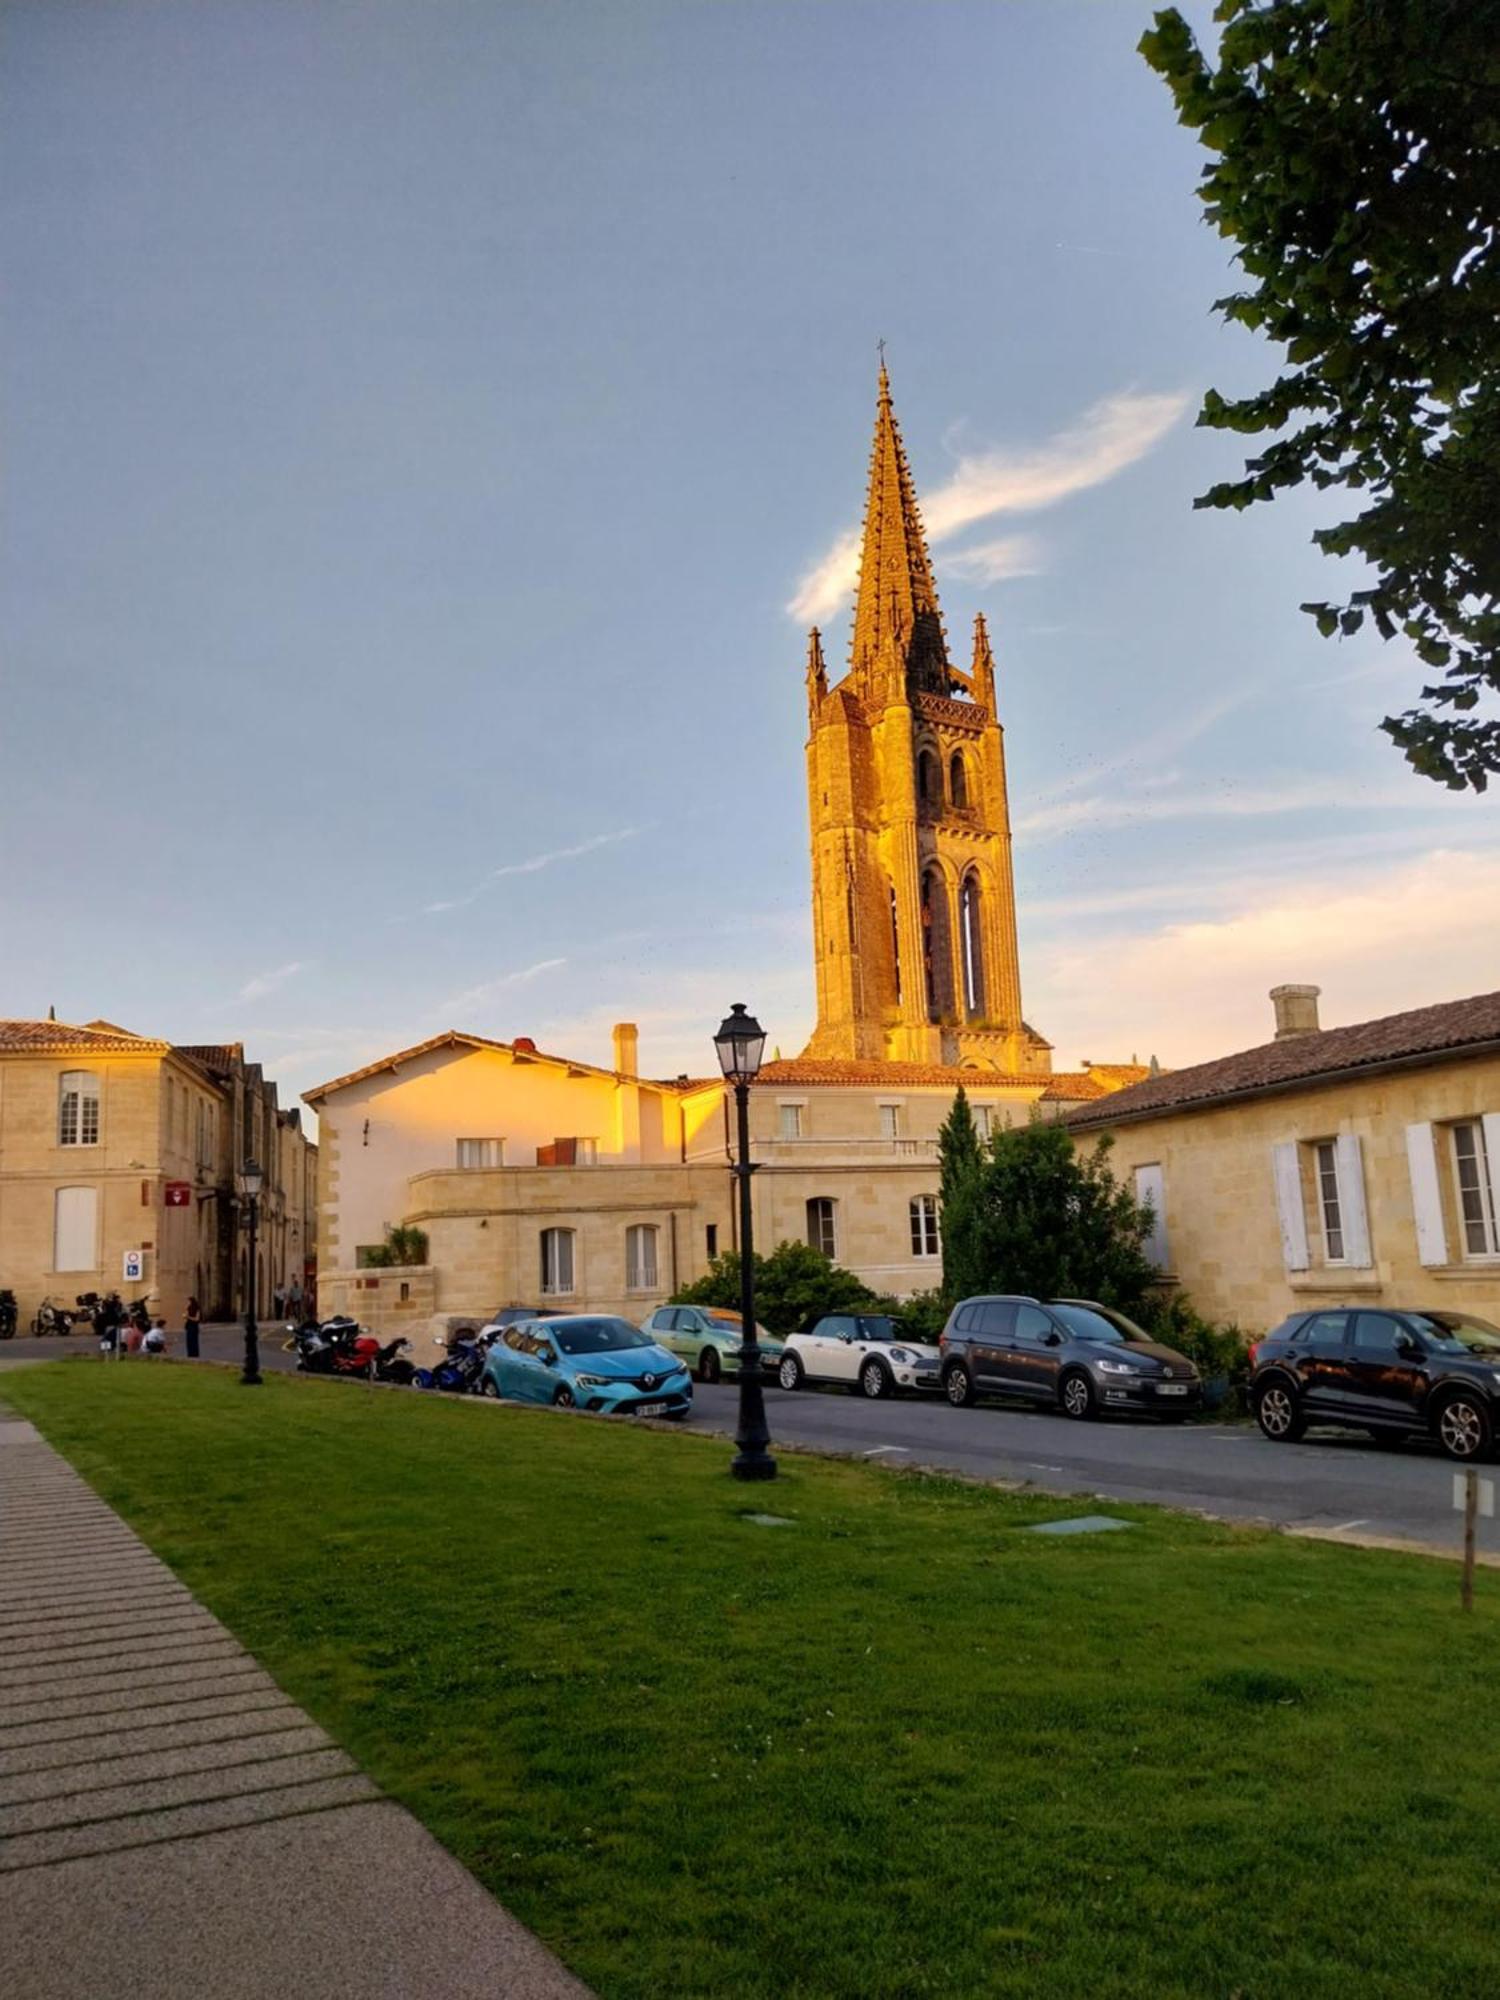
column 587, row 1361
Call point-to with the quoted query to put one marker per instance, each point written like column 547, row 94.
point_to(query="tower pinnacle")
column 896, row 612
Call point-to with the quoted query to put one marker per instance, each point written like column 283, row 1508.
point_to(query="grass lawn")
column 900, row 1747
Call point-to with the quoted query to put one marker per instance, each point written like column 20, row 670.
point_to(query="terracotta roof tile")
column 1073, row 1087
column 816, row 1070
column 60, row 1038
column 453, row 1037
column 1444, row 1030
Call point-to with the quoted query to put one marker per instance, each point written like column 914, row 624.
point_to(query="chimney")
column 1296, row 1010
column 626, row 1037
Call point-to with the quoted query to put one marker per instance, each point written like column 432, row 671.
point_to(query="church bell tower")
column 913, row 903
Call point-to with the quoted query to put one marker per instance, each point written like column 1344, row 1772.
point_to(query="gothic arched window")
column 958, row 779
column 971, row 945
column 937, row 945
column 929, row 779
column 896, row 945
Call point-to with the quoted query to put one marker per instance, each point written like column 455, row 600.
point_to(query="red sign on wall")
column 178, row 1194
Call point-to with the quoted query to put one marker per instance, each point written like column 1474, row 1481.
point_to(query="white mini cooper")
column 862, row 1351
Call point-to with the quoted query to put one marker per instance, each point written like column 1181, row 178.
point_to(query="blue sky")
column 420, row 421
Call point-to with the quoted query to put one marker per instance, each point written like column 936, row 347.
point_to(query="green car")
column 709, row 1340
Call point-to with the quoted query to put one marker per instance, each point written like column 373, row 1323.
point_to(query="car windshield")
column 877, row 1326
column 1086, row 1324
column 727, row 1322
column 1457, row 1333
column 598, row 1336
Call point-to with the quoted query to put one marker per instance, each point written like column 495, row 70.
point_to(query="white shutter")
column 1289, row 1208
column 1351, row 1178
column 1491, row 1123
column 1426, row 1195
column 76, row 1229
column 1149, row 1188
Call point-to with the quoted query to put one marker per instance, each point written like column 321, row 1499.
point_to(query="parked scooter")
column 8, row 1314
column 459, row 1374
column 341, row 1347
column 51, row 1320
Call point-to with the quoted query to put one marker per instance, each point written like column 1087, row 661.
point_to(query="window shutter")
column 1289, row 1207
column 1149, row 1187
column 1426, row 1195
column 1491, row 1124
column 1352, row 1200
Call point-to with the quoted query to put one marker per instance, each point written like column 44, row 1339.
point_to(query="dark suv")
column 1393, row 1374
column 1070, row 1354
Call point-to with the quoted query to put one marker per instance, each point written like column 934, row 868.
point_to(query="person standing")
column 294, row 1302
column 192, row 1320
column 278, row 1300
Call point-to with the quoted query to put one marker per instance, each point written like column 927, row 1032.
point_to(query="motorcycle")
column 51, row 1320
column 460, row 1373
column 340, row 1347
column 8, row 1314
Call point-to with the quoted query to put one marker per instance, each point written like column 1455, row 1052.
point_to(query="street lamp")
column 741, row 1042
column 248, row 1180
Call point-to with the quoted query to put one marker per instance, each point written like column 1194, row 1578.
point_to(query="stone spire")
column 817, row 671
column 982, row 673
column 896, row 615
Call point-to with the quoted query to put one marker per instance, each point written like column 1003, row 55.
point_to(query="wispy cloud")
column 533, row 865
column 1106, row 439
column 1376, row 940
column 267, row 982
column 994, row 562
column 477, row 996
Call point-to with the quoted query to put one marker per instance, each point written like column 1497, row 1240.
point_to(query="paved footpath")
column 171, row 1824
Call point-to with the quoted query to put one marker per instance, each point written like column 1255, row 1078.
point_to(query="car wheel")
column 708, row 1365
column 958, row 1386
column 874, row 1381
column 789, row 1374
column 487, row 1388
column 1076, row 1394
column 1463, row 1428
column 563, row 1400
column 1278, row 1414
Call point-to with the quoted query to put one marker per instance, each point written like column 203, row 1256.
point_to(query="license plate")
column 650, row 1409
column 1172, row 1389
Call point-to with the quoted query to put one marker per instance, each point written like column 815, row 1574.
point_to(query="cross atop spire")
column 897, row 605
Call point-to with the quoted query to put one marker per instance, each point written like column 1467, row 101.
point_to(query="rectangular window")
column 890, row 1121
column 1326, row 1166
column 78, row 1111
column 588, row 1152
column 75, row 1229
column 983, row 1119
column 481, row 1152
column 791, row 1121
column 923, row 1211
column 640, row 1258
column 1150, row 1192
column 820, row 1230
column 1476, row 1195
column 557, row 1262
column 711, row 1239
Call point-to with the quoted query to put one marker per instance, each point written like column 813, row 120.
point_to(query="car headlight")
column 596, row 1381
column 903, row 1357
column 1118, row 1368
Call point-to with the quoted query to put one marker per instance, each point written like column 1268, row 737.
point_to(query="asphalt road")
column 1333, row 1481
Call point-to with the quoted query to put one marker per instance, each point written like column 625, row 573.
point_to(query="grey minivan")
column 1069, row 1354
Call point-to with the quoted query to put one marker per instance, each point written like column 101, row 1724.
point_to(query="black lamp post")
column 249, row 1182
column 740, row 1043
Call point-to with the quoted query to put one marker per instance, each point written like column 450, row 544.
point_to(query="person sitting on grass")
column 154, row 1340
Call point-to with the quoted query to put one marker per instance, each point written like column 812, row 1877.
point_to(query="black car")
column 1070, row 1354
column 1395, row 1374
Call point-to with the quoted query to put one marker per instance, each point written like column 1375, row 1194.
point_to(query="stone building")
column 540, row 1179
column 1355, row 1164
column 914, row 917
column 112, row 1143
